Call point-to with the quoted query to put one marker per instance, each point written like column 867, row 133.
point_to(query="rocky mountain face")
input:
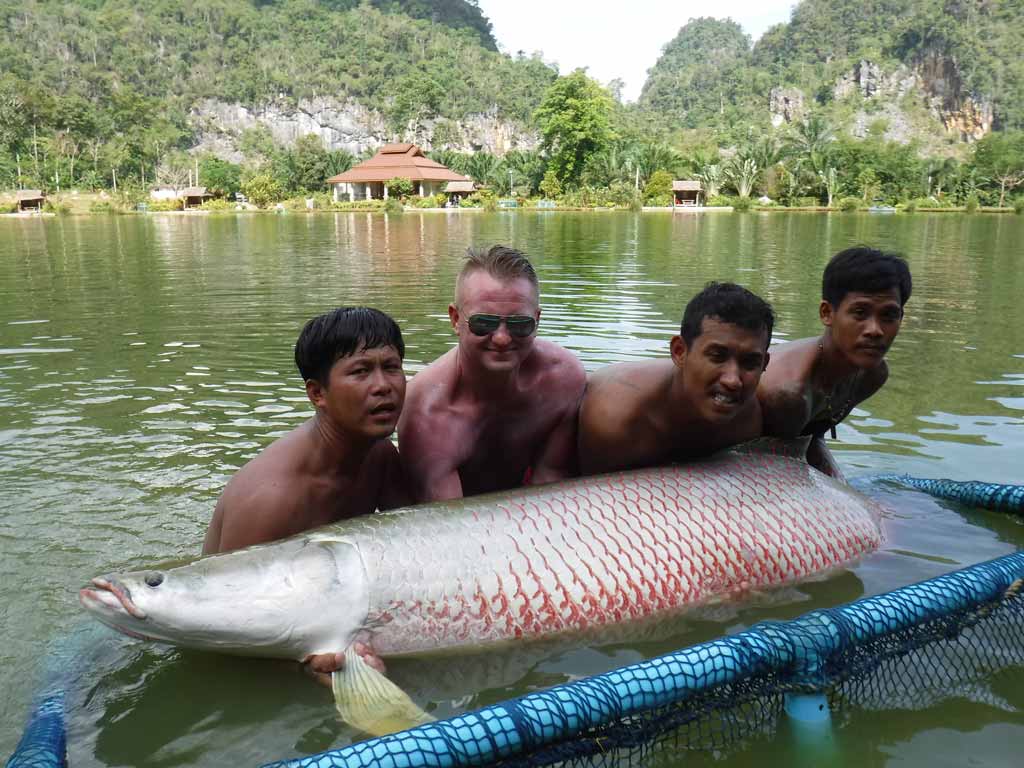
column 346, row 124
column 933, row 86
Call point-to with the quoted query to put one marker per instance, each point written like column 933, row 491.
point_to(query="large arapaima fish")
column 501, row 567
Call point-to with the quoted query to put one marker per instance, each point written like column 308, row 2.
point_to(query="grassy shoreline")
column 103, row 204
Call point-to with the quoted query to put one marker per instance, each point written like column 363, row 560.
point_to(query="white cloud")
column 615, row 40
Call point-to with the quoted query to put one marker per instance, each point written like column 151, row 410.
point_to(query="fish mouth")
column 112, row 595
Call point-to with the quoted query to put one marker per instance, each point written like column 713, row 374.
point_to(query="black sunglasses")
column 519, row 326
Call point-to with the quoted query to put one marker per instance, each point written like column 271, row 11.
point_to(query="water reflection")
column 143, row 359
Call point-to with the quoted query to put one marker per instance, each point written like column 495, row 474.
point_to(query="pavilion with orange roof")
column 402, row 161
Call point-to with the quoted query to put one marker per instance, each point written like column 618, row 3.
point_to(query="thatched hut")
column 193, row 197
column 459, row 190
column 686, row 192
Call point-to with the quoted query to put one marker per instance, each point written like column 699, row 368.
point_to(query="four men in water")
column 502, row 408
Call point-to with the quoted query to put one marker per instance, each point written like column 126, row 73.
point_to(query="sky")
column 613, row 40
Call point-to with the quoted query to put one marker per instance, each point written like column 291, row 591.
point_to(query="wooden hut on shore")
column 392, row 161
column 686, row 192
column 459, row 190
column 193, row 197
column 30, row 199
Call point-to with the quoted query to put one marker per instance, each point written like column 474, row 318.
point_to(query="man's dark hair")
column 729, row 303
column 340, row 333
column 500, row 262
column 864, row 270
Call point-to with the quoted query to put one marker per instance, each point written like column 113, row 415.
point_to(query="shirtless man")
column 338, row 464
column 699, row 401
column 498, row 410
column 813, row 384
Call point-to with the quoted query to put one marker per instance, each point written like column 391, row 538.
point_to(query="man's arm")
column 784, row 410
column 430, row 466
column 558, row 458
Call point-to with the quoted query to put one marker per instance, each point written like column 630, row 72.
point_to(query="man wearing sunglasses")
column 700, row 400
column 498, row 410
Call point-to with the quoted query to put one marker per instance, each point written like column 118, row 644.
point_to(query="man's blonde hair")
column 500, row 262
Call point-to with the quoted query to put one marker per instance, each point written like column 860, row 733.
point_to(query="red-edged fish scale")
column 597, row 550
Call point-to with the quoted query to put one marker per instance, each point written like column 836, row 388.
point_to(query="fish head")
column 288, row 599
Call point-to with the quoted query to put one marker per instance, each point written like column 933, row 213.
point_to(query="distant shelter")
column 366, row 181
column 459, row 190
column 686, row 192
column 193, row 197
column 30, row 199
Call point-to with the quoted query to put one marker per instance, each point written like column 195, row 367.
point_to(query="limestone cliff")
column 347, row 125
column 931, row 89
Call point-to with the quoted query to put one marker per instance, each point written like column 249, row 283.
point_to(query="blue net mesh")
column 931, row 638
column 43, row 744
column 971, row 493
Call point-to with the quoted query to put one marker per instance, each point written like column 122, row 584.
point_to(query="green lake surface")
column 144, row 359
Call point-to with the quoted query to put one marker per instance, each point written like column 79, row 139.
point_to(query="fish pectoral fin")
column 367, row 700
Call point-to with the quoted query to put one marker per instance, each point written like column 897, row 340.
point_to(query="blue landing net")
column 910, row 647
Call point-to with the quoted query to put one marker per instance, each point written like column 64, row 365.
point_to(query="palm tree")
column 811, row 140
column 481, row 167
column 711, row 178
column 610, row 165
column 830, row 181
column 527, row 167
column 651, row 157
column 743, row 173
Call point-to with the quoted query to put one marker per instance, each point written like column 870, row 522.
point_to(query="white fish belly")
column 589, row 552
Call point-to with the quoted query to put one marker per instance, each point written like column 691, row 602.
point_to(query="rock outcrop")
column 786, row 105
column 934, row 83
column 346, row 125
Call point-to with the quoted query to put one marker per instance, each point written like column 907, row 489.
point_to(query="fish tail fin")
column 367, row 700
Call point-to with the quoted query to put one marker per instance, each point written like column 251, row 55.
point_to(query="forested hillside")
column 933, row 66
column 111, row 82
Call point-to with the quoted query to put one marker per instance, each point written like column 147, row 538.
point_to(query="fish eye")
column 154, row 579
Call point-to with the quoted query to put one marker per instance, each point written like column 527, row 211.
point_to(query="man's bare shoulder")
column 553, row 366
column 274, row 474
column 616, row 429
column 430, row 394
column 618, row 394
column 789, row 372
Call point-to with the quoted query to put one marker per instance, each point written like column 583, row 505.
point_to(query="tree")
column 399, row 187
column 1000, row 156
column 220, row 177
column 311, row 163
column 574, row 119
column 711, row 177
column 550, row 187
column 743, row 173
column 659, row 186
column 811, row 141
column 262, row 189
column 830, row 181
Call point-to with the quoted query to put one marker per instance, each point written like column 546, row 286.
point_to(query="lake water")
column 143, row 360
